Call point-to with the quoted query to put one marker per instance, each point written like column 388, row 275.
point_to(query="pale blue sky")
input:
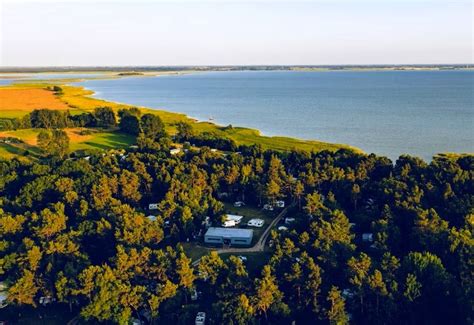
column 53, row 33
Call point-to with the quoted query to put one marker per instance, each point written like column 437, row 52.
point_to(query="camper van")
column 228, row 223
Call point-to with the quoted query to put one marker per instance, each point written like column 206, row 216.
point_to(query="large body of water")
column 389, row 113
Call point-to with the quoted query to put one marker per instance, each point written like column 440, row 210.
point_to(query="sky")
column 192, row 32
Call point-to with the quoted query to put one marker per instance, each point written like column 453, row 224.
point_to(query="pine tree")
column 336, row 312
column 267, row 292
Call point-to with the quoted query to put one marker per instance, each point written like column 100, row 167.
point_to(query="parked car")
column 289, row 220
column 239, row 204
column 268, row 207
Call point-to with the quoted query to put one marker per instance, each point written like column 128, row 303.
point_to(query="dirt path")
column 259, row 246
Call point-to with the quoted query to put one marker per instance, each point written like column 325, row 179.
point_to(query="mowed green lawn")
column 255, row 261
column 195, row 251
column 94, row 139
column 250, row 212
column 10, row 151
column 104, row 140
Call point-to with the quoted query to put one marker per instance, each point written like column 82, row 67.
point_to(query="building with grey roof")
column 228, row 236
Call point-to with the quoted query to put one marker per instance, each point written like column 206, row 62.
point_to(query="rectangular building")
column 228, row 236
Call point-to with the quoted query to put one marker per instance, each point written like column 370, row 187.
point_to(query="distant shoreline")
column 151, row 69
column 239, row 134
column 80, row 99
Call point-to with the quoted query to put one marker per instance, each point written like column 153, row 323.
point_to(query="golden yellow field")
column 28, row 99
column 18, row 100
column 29, row 136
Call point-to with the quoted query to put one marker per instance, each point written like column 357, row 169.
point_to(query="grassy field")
column 248, row 213
column 195, row 252
column 255, row 261
column 78, row 100
column 27, row 99
column 20, row 151
column 97, row 139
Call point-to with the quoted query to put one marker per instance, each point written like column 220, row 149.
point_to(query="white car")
column 289, row 220
column 153, row 206
column 282, row 228
column 239, row 204
column 242, row 258
column 268, row 207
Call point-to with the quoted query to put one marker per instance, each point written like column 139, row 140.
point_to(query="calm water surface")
column 388, row 113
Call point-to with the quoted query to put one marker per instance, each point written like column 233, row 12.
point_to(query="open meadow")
column 17, row 100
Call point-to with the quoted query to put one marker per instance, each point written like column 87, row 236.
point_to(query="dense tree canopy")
column 372, row 242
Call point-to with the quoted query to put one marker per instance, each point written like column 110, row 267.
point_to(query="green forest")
column 372, row 242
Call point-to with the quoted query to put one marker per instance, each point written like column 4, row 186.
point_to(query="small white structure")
column 175, row 151
column 200, row 318
column 194, row 295
column 151, row 217
column 222, row 195
column 255, row 223
column 233, row 217
column 153, row 206
column 239, row 204
column 207, row 222
column 242, row 258
column 347, row 293
column 368, row 237
column 282, row 228
column 289, row 221
column 136, row 321
column 280, row 204
column 3, row 300
column 46, row 300
column 3, row 295
column 228, row 224
column 268, row 207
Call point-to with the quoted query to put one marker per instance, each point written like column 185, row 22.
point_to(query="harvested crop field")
column 27, row 99
column 29, row 135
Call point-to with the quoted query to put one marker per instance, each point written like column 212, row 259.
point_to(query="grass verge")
column 79, row 100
